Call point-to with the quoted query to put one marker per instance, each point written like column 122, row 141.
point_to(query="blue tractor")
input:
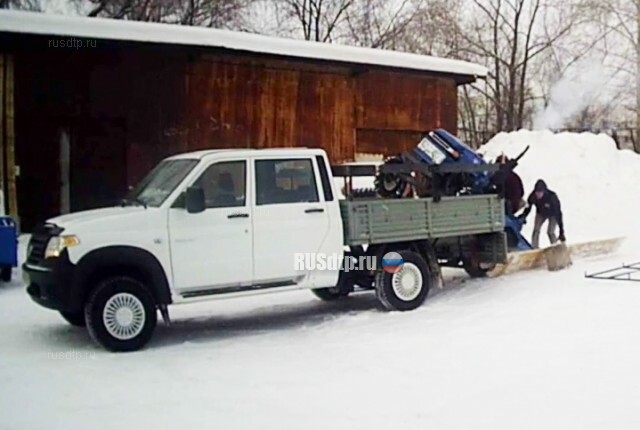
column 442, row 165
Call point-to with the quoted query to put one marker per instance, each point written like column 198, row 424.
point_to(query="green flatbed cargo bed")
column 376, row 221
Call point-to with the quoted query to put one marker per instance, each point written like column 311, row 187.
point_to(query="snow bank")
column 598, row 185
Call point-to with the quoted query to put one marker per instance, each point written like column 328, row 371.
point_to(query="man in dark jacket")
column 547, row 208
column 513, row 189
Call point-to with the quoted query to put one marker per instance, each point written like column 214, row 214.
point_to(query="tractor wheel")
column 390, row 185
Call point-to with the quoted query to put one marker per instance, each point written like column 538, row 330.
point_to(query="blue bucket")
column 8, row 242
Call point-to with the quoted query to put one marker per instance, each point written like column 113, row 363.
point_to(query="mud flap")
column 537, row 258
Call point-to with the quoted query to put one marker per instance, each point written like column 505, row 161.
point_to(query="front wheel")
column 407, row 288
column 121, row 314
column 341, row 290
column 329, row 294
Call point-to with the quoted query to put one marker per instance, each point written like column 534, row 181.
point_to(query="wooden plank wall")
column 238, row 102
column 242, row 105
column 394, row 110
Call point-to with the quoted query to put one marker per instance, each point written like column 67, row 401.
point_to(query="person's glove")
column 562, row 237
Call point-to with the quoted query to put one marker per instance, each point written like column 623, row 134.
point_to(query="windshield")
column 154, row 189
column 432, row 150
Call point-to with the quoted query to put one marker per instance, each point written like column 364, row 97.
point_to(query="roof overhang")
column 34, row 23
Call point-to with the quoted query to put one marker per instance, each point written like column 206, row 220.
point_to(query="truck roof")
column 247, row 152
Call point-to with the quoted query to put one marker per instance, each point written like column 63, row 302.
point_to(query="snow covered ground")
column 526, row 351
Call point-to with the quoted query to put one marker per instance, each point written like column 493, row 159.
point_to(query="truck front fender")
column 122, row 260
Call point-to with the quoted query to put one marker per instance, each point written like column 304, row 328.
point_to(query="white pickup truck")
column 221, row 223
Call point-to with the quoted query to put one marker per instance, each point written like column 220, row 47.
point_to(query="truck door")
column 212, row 249
column 290, row 216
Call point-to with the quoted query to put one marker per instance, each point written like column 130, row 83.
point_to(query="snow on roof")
column 111, row 29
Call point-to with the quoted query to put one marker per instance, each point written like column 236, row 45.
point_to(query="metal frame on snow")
column 625, row 272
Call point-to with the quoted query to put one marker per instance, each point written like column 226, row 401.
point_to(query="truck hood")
column 72, row 220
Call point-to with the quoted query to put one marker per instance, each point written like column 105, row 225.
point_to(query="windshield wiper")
column 134, row 200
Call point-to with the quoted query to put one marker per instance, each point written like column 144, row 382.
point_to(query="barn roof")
column 110, row 29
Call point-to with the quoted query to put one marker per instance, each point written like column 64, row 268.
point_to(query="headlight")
column 57, row 244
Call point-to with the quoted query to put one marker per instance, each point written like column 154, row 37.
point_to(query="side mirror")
column 195, row 200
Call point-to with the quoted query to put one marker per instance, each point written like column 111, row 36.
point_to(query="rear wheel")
column 477, row 270
column 406, row 289
column 121, row 314
column 76, row 319
column 5, row 274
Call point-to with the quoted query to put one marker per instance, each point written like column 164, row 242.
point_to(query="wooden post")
column 11, row 138
column 4, row 206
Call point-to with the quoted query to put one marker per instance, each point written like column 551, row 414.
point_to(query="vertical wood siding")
column 126, row 107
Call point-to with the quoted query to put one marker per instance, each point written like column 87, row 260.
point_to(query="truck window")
column 154, row 189
column 324, row 178
column 224, row 184
column 285, row 181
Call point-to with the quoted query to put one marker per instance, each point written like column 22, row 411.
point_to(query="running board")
column 235, row 289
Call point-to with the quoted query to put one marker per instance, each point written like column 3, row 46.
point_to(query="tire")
column 390, row 185
column 132, row 300
column 400, row 297
column 476, row 271
column 340, row 291
column 5, row 274
column 76, row 319
column 329, row 294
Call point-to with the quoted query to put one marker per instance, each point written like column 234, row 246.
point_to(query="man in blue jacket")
column 547, row 208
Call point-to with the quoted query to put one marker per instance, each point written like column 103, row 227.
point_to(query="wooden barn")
column 90, row 105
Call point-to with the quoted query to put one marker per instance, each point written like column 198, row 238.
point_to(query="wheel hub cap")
column 123, row 316
column 407, row 283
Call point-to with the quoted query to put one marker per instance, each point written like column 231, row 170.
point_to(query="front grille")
column 38, row 242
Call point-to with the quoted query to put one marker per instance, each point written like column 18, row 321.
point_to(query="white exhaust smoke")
column 574, row 91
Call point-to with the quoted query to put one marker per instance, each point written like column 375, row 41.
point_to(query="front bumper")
column 50, row 284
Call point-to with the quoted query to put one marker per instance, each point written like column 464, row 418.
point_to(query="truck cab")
column 199, row 226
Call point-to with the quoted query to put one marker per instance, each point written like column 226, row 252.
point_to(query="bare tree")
column 135, row 10
column 34, row 5
column 621, row 19
column 509, row 36
column 207, row 13
column 381, row 24
column 318, row 19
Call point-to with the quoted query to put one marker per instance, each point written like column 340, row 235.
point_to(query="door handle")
column 238, row 216
column 314, row 210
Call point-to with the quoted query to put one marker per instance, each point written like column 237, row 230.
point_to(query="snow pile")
column 597, row 184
